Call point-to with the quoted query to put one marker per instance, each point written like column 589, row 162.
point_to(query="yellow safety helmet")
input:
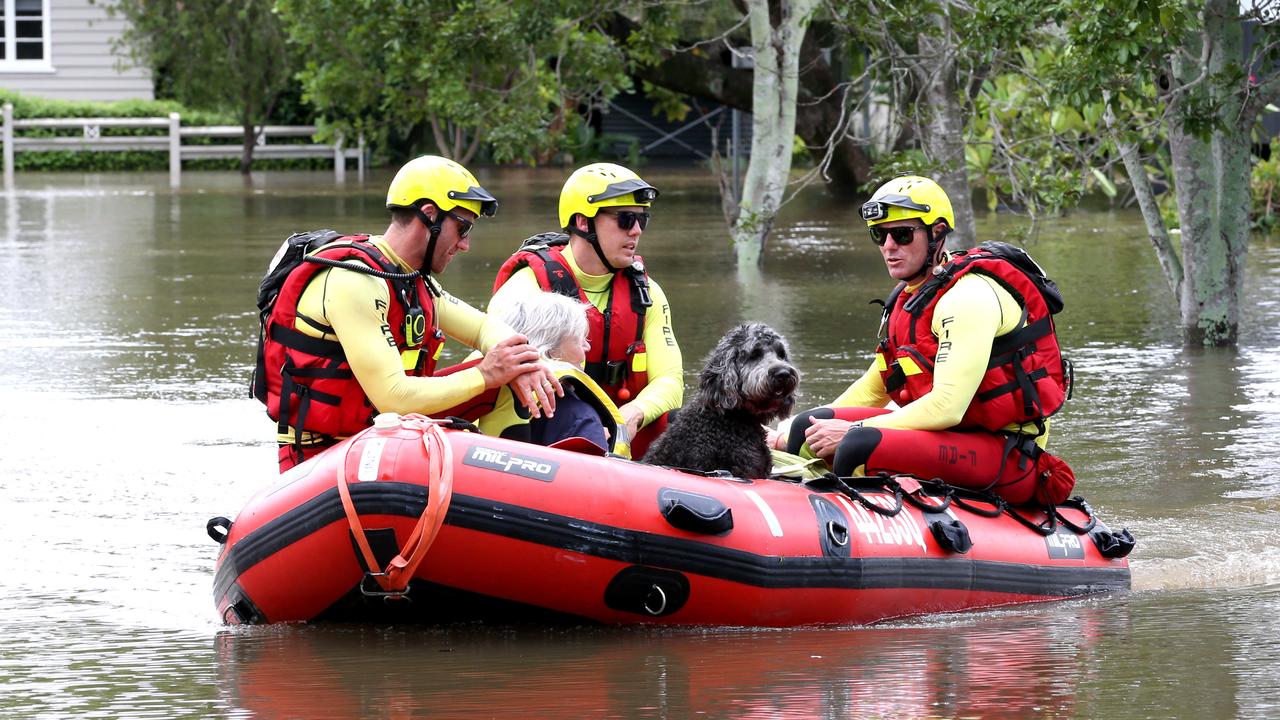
column 907, row 197
column 602, row 185
column 443, row 182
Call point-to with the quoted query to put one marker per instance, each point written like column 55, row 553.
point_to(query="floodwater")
column 126, row 338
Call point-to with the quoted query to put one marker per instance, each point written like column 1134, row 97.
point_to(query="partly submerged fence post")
column 175, row 150
column 8, row 146
column 339, row 162
column 360, row 159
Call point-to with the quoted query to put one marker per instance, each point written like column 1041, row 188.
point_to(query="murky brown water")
column 126, row 330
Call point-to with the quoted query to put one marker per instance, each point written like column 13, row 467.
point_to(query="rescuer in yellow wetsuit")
column 665, row 390
column 970, row 316
column 968, row 353
column 603, row 208
column 343, row 312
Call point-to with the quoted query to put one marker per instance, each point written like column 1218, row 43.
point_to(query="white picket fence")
column 93, row 140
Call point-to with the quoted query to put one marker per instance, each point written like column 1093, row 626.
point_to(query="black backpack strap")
column 297, row 340
column 1005, row 346
column 289, row 389
column 258, row 383
column 560, row 277
column 942, row 276
column 553, row 238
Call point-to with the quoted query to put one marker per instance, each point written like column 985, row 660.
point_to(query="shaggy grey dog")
column 747, row 381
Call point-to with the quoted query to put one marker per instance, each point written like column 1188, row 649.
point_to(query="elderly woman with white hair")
column 557, row 326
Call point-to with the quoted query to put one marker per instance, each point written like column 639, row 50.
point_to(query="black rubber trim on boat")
column 241, row 610
column 679, row 554
column 694, row 512
column 440, row 605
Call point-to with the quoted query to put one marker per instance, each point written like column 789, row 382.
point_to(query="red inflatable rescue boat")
column 413, row 521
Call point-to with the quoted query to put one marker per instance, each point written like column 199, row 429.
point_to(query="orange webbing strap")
column 353, row 519
column 440, row 458
column 394, row 579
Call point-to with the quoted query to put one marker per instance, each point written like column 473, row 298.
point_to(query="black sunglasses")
column 464, row 225
column 628, row 218
column 901, row 235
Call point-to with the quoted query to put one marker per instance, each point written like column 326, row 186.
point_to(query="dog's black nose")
column 783, row 378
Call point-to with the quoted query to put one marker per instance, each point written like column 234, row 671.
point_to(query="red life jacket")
column 1026, row 379
column 308, row 381
column 617, row 334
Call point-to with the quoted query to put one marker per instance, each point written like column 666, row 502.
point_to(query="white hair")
column 547, row 318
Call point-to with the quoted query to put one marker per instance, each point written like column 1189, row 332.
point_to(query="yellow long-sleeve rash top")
column 355, row 305
column 970, row 315
column 665, row 390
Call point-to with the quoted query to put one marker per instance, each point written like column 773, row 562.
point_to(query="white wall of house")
column 62, row 49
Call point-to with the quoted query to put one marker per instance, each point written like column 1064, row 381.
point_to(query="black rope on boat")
column 964, row 498
column 453, row 422
column 928, row 488
column 967, row 499
column 846, row 487
column 1047, row 527
column 1077, row 503
column 854, row 487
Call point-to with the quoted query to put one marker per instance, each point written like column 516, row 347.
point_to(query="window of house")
column 24, row 35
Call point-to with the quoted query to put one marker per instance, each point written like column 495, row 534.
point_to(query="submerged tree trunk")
column 942, row 126
column 1212, row 178
column 776, row 50
column 246, row 149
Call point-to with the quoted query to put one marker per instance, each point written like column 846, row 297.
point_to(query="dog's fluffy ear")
column 718, row 384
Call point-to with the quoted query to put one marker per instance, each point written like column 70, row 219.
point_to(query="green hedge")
column 26, row 106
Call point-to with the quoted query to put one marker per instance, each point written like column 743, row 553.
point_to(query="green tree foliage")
column 506, row 75
column 1265, row 186
column 933, row 63
column 213, row 54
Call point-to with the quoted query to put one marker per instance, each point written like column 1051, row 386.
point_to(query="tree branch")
column 1145, row 195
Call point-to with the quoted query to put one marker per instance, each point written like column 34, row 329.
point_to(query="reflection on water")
column 126, row 335
column 998, row 665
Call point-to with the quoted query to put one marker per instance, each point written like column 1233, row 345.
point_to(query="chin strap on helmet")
column 937, row 248
column 434, row 229
column 593, row 240
column 934, row 253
